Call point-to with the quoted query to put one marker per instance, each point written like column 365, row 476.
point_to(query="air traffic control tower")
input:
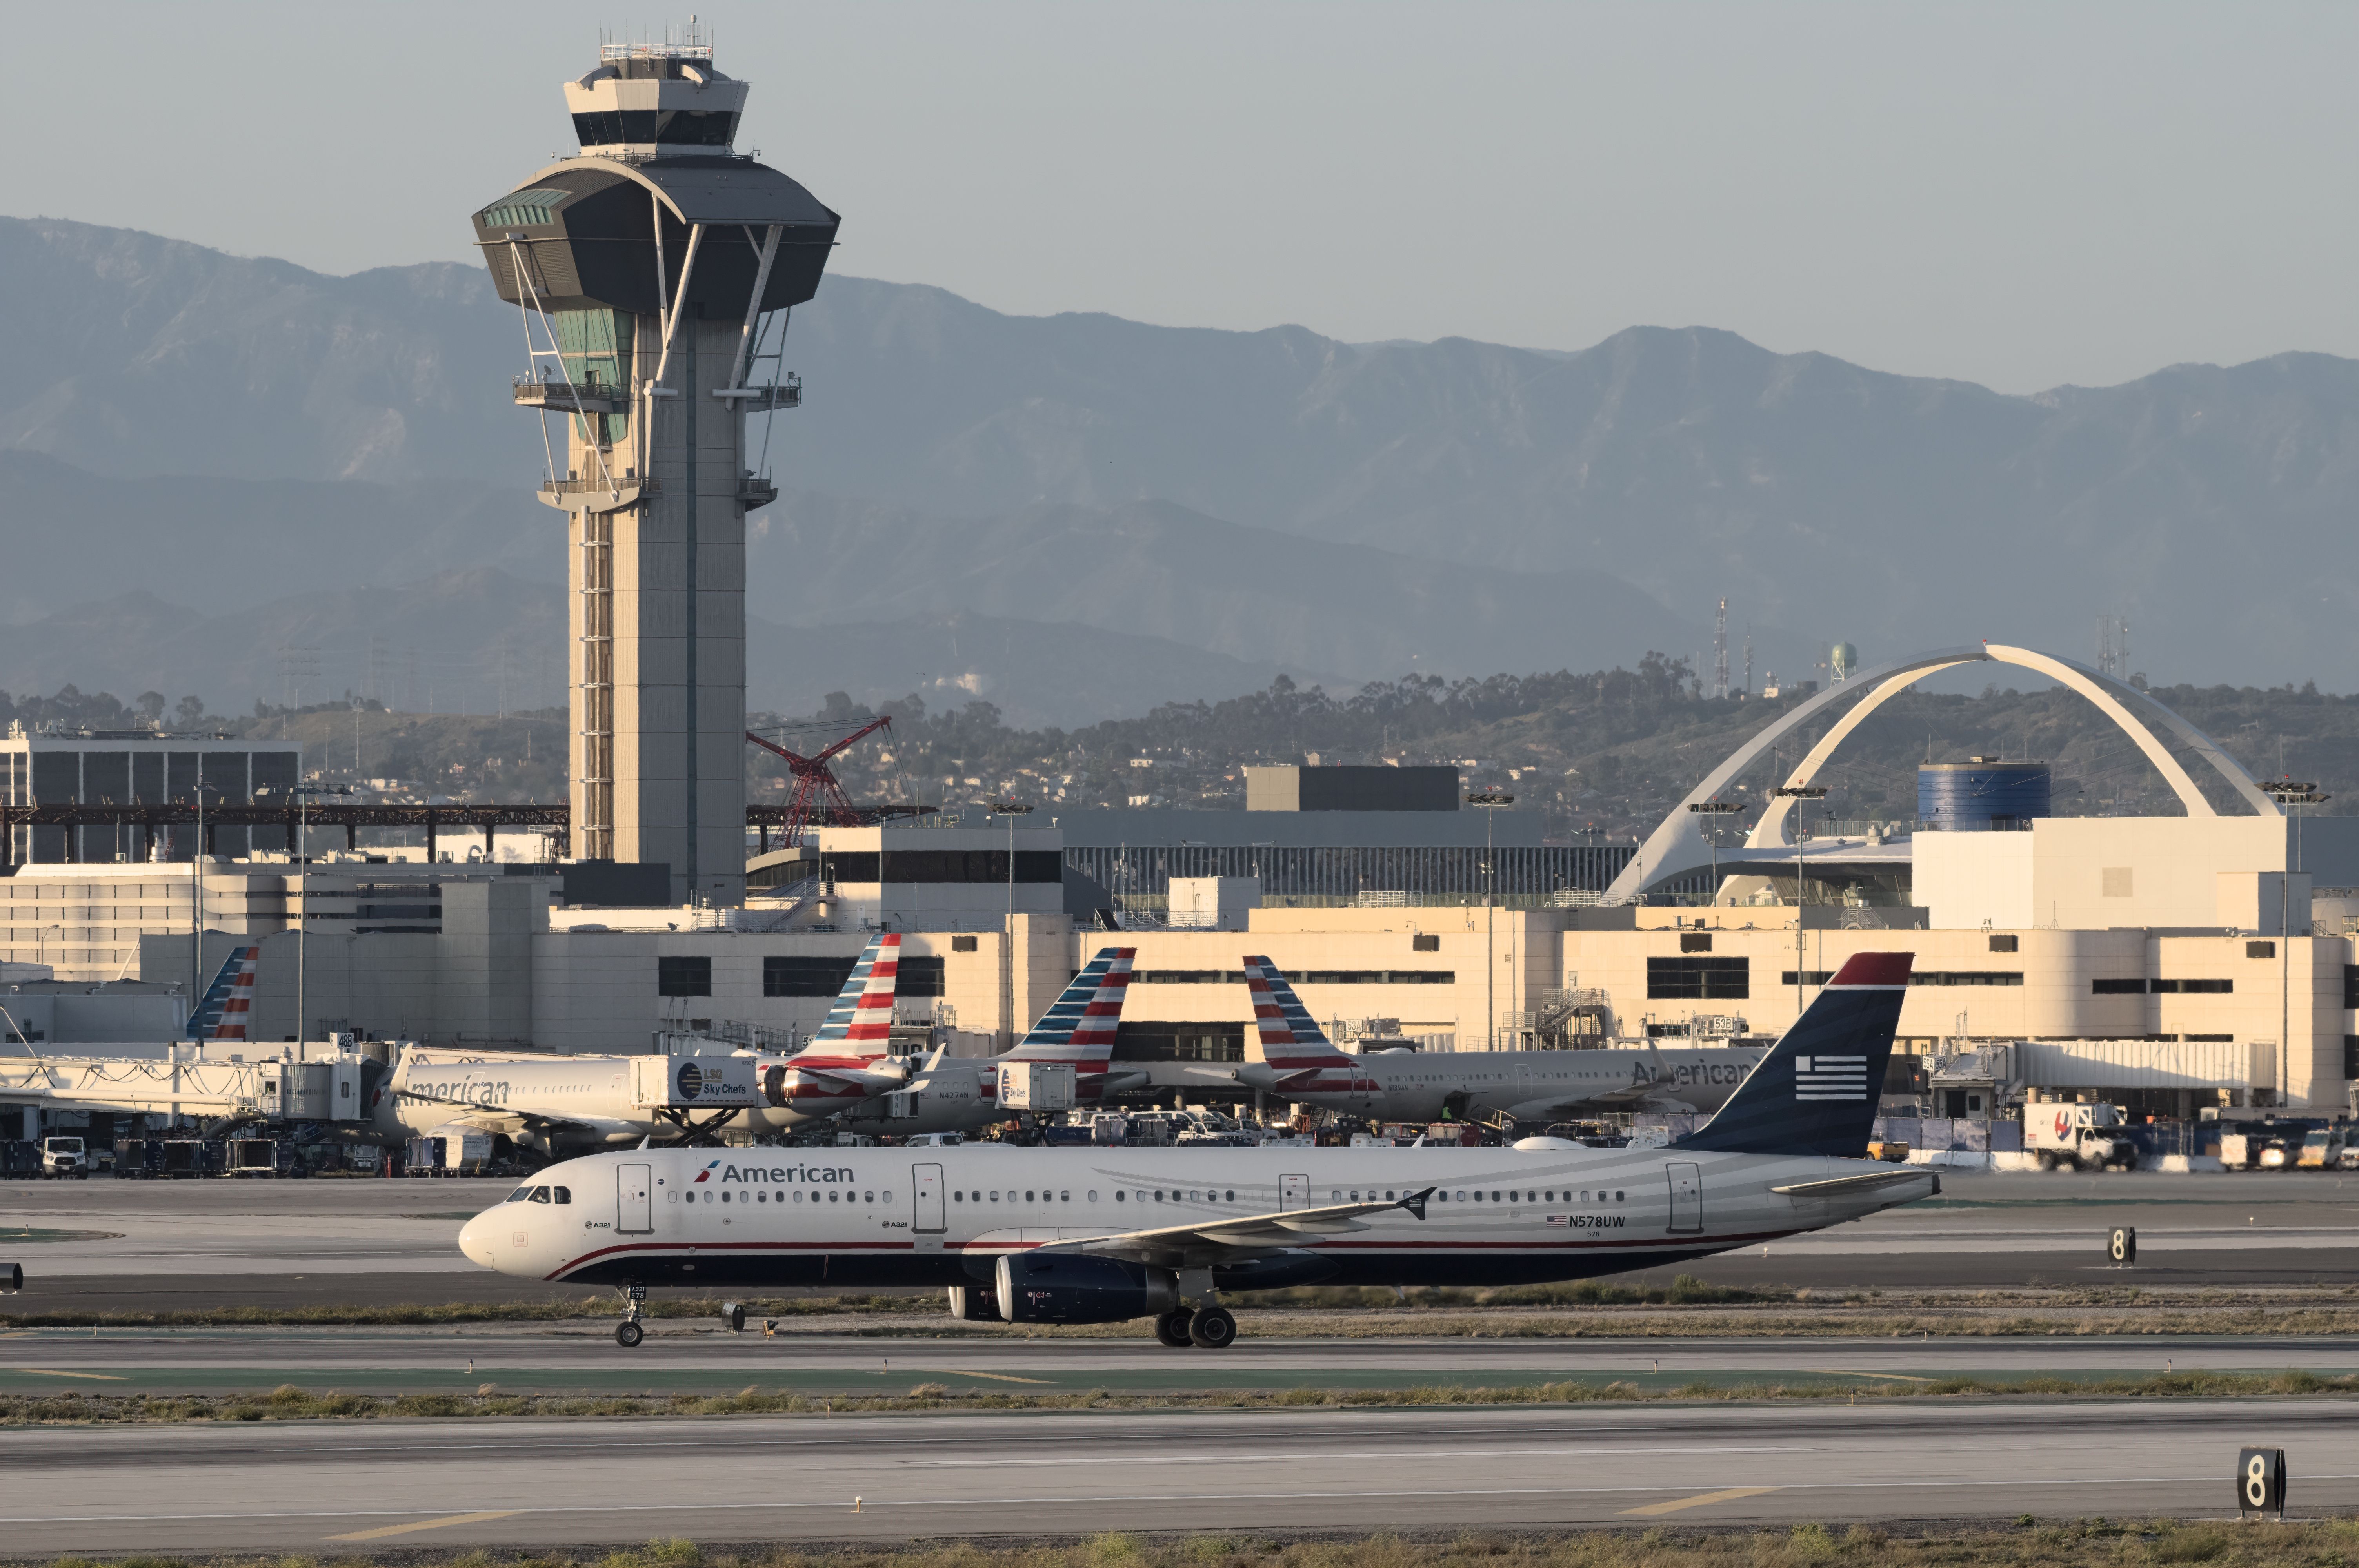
column 654, row 273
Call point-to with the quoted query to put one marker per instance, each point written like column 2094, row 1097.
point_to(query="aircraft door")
column 634, row 1209
column 1686, row 1196
column 926, row 1181
column 1293, row 1192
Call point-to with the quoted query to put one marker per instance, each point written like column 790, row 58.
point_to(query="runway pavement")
column 288, row 1242
column 585, row 1359
column 336, row 1488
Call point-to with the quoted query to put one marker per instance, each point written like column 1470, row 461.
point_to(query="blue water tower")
column 1981, row 794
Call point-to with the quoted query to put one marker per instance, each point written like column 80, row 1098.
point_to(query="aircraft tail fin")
column 861, row 1022
column 1080, row 1025
column 227, row 1006
column 1816, row 1091
column 1291, row 1040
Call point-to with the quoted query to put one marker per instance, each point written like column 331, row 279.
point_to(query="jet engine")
column 973, row 1303
column 1072, row 1287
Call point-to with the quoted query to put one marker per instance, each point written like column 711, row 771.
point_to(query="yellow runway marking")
column 1893, row 1376
column 93, row 1377
column 382, row 1530
column 997, row 1376
column 1699, row 1500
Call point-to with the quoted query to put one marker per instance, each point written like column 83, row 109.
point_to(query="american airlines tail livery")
column 1105, row 1235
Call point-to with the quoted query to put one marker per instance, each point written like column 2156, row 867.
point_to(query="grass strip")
column 290, row 1402
column 2029, row 1542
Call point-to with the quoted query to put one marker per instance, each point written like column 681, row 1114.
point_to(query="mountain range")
column 224, row 434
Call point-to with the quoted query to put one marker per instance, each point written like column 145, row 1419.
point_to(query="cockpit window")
column 564, row 1194
column 520, row 1195
column 539, row 1194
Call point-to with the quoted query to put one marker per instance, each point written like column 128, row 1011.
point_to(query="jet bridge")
column 274, row 1089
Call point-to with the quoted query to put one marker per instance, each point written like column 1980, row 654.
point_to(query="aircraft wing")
column 1209, row 1242
column 1866, row 1181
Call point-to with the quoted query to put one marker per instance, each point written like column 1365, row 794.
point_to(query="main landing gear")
column 1208, row 1328
column 628, row 1333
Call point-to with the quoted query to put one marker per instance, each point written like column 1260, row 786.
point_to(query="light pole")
column 1712, row 810
column 303, row 794
column 1010, row 809
column 1798, row 793
column 197, row 896
column 2285, row 793
column 1490, row 800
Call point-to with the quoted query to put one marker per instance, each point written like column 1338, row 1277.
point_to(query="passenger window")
column 1230, row 1197
column 1462, row 1197
column 995, row 1196
column 1388, row 1195
column 1120, row 1195
column 799, row 1197
column 564, row 1194
column 1094, row 1194
column 1335, row 1197
column 957, row 1197
column 1158, row 1195
column 1064, row 1197
column 1494, row 1197
column 1617, row 1197
column 1584, row 1194
column 540, row 1194
column 724, row 1197
column 1028, row 1195
column 831, row 1196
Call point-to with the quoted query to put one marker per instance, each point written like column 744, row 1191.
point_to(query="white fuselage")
column 426, row 1089
column 1420, row 1086
column 943, row 1216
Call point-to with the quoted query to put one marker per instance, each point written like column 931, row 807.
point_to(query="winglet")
column 1415, row 1202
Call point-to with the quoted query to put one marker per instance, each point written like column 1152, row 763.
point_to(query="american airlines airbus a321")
column 1086, row 1235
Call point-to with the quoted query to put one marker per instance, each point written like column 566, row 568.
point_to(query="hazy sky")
column 2018, row 195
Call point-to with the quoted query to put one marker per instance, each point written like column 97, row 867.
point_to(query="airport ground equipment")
column 64, row 1157
column 2081, row 1136
column 654, row 272
column 1103, row 1235
column 12, row 1277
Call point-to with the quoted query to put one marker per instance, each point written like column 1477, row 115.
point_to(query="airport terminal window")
column 1699, row 979
column 2198, row 988
column 1426, row 943
column 2350, row 1055
column 1966, row 978
column 802, row 977
column 963, row 943
column 680, row 127
column 2135, row 986
column 684, row 977
column 2004, row 943
column 1808, row 977
column 2260, row 949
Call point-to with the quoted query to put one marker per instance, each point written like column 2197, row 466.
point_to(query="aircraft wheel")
column 628, row 1335
column 1171, row 1329
column 1214, row 1328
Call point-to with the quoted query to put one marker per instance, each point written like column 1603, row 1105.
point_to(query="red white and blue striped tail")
column 1291, row 1040
column 227, row 1006
column 861, row 1022
column 1079, row 1026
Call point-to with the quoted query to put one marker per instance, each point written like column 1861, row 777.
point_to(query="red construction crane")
column 817, row 796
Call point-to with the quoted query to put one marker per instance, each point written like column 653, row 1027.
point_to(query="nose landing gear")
column 628, row 1333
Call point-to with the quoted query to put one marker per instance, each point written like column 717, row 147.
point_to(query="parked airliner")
column 1305, row 1067
column 1104, row 1234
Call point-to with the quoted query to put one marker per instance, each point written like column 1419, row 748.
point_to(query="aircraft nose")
column 476, row 1240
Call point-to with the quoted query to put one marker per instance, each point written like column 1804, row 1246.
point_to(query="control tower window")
column 680, row 127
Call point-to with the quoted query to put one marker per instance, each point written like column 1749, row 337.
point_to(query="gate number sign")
column 2261, row 1482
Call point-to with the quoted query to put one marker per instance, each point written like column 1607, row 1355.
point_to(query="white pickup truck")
column 64, row 1157
column 2084, row 1136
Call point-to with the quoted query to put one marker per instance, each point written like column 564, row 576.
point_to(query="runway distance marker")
column 382, row 1530
column 1701, row 1500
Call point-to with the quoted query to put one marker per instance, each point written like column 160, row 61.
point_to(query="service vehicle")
column 62, row 1157
column 2082, row 1137
column 2322, row 1149
column 1105, row 1235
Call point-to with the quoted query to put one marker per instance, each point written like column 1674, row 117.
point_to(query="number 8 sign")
column 2261, row 1481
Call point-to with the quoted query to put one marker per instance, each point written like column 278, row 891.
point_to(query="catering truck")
column 2084, row 1137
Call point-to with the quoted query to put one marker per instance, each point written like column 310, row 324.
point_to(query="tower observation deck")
column 654, row 272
